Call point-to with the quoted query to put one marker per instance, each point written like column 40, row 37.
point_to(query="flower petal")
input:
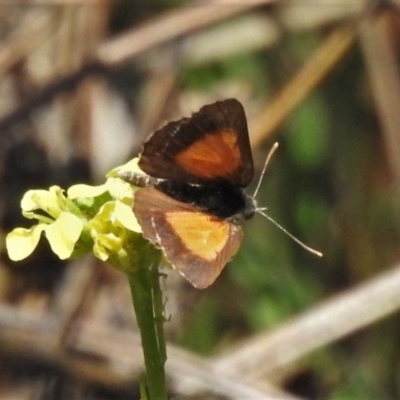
column 100, row 251
column 21, row 242
column 63, row 234
column 120, row 190
column 105, row 245
column 82, row 190
column 131, row 165
column 51, row 201
column 124, row 214
column 104, row 218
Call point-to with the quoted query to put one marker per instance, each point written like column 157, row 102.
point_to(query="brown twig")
column 325, row 58
column 320, row 326
column 188, row 374
column 169, row 27
column 382, row 67
column 138, row 40
column 33, row 30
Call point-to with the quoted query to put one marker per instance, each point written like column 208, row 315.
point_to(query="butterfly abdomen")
column 138, row 179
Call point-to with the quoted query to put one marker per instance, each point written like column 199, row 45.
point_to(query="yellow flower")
column 89, row 217
column 62, row 228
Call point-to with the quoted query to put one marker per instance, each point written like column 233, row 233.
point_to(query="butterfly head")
column 247, row 212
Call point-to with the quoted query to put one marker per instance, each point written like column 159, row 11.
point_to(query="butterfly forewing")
column 212, row 145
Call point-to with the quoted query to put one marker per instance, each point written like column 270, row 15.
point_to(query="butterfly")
column 191, row 198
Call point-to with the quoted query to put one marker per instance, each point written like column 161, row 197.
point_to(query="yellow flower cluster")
column 98, row 218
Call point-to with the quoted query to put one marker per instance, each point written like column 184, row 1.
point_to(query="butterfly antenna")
column 270, row 154
column 317, row 253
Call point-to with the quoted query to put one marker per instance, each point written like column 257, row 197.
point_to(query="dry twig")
column 325, row 58
column 320, row 326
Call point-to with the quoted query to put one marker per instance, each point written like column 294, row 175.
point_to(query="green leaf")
column 308, row 130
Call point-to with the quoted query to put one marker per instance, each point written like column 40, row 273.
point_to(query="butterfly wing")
column 211, row 145
column 197, row 244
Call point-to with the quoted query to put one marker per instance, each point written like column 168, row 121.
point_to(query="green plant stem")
column 149, row 310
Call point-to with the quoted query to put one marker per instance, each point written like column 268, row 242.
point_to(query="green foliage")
column 307, row 138
column 201, row 334
column 246, row 67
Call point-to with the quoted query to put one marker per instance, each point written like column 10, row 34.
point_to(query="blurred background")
column 83, row 83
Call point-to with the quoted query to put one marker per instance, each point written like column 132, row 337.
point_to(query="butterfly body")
column 218, row 198
column 191, row 197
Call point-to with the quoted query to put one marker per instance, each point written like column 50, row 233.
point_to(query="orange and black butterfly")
column 192, row 199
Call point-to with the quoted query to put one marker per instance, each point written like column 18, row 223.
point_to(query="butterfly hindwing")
column 211, row 145
column 197, row 244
